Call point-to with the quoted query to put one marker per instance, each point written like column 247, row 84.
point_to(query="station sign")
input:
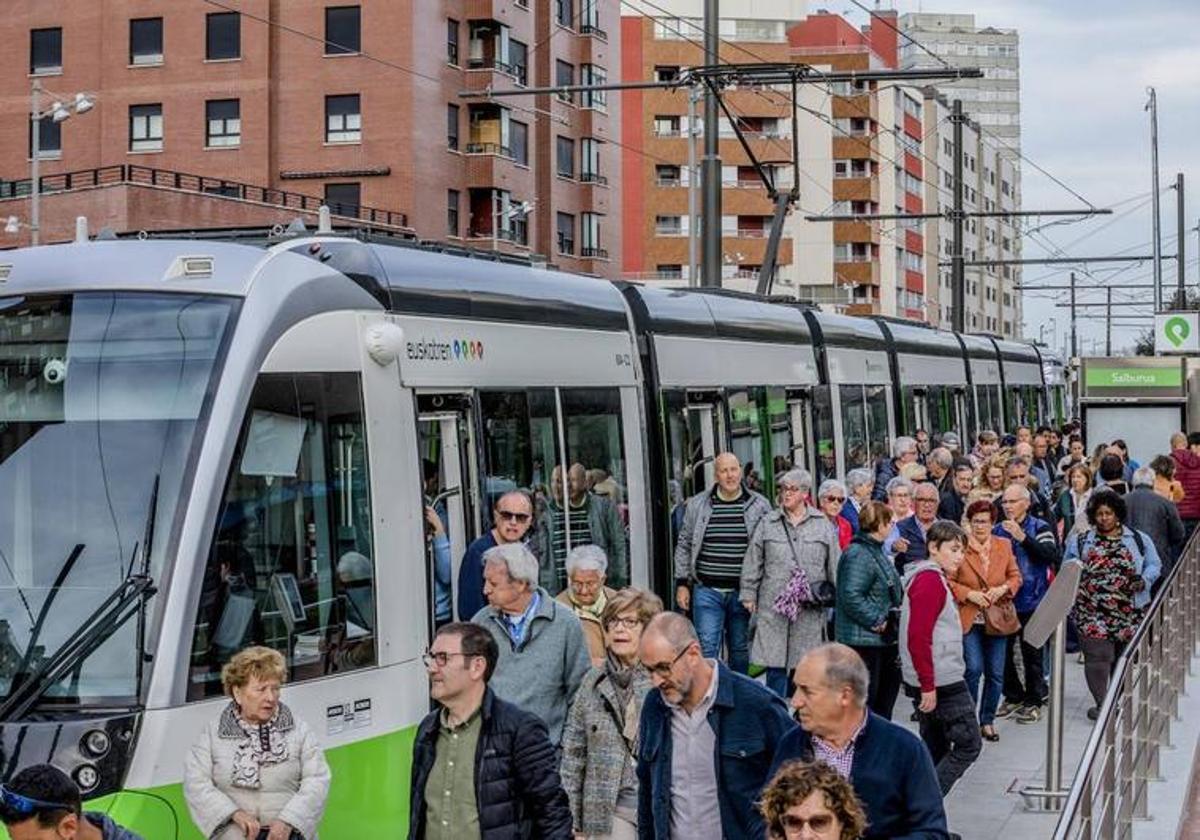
column 1177, row 332
column 1136, row 378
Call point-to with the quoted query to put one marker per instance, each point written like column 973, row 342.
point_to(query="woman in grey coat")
column 792, row 552
column 600, row 738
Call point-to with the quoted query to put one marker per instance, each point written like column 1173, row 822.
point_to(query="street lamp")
column 59, row 111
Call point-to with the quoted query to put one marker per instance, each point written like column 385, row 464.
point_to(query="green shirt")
column 451, row 812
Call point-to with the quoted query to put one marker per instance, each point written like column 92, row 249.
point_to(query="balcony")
column 593, row 178
column 482, row 74
column 856, row 189
column 856, row 232
column 488, row 149
column 593, row 254
column 857, row 272
column 859, row 106
column 594, row 31
column 854, row 147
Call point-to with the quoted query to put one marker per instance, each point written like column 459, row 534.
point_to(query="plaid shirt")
column 840, row 760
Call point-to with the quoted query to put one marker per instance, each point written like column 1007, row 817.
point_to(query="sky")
column 1085, row 67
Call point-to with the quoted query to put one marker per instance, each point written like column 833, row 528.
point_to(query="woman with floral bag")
column 789, row 580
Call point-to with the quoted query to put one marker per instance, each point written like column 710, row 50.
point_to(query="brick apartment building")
column 355, row 104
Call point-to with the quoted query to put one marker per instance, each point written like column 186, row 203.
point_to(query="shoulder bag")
column 999, row 619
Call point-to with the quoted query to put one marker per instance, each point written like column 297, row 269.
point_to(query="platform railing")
column 1121, row 758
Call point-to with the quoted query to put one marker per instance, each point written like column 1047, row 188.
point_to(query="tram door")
column 446, row 437
column 920, row 410
column 799, row 403
column 962, row 417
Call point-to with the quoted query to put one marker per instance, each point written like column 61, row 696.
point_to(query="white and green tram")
column 209, row 443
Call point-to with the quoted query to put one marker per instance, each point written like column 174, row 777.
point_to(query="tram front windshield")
column 103, row 398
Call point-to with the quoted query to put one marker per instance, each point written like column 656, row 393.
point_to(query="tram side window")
column 599, row 508
column 908, row 410
column 745, row 435
column 822, row 408
column 854, row 427
column 292, row 561
column 940, row 402
column 877, row 422
column 783, row 452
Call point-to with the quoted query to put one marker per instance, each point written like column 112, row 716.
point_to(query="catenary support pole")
column 693, row 185
column 1152, row 107
column 1108, row 321
column 1074, row 334
column 1180, row 257
column 710, row 166
column 35, row 159
column 958, row 278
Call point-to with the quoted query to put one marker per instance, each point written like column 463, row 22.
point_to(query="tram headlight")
column 87, row 777
column 96, row 743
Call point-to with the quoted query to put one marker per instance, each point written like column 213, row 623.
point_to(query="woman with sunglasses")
column 832, row 498
column 811, row 801
column 600, row 739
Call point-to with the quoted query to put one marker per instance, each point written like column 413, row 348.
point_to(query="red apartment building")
column 251, row 112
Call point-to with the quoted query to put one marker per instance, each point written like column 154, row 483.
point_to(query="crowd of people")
column 598, row 713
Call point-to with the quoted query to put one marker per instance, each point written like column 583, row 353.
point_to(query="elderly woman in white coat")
column 788, row 579
column 256, row 767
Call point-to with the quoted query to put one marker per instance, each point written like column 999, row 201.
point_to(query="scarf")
column 984, row 550
column 621, row 677
column 592, row 612
column 259, row 744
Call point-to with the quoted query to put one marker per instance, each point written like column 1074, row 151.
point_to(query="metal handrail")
column 150, row 176
column 1110, row 789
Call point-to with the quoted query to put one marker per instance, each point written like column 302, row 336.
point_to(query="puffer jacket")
column 1187, row 473
column 867, row 587
column 776, row 549
column 293, row 791
column 595, row 750
column 517, row 788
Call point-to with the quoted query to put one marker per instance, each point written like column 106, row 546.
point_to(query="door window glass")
column 745, row 435
column 599, row 511
column 908, row 409
column 779, row 424
column 687, row 428
column 822, row 409
column 449, row 514
column 877, row 421
column 292, row 561
column 854, row 426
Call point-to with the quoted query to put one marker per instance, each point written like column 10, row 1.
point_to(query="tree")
column 1144, row 346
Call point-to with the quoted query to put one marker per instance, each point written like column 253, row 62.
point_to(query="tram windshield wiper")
column 127, row 600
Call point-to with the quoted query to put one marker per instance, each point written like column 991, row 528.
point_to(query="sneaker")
column 1029, row 714
column 1007, row 708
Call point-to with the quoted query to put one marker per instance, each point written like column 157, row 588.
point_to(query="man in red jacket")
column 1185, row 451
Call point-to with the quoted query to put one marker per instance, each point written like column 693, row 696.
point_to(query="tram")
column 209, row 443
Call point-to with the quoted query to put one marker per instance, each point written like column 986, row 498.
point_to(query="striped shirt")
column 581, row 534
column 723, row 548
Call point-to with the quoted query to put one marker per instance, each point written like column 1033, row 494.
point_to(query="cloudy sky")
column 1085, row 67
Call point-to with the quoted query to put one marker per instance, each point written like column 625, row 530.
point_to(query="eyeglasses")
column 441, row 657
column 25, row 806
column 513, row 516
column 794, row 825
column 663, row 669
column 627, row 623
column 835, row 498
column 788, row 488
column 982, row 523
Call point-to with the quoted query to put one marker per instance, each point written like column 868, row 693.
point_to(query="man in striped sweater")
column 717, row 526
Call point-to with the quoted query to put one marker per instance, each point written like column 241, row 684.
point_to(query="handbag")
column 891, row 627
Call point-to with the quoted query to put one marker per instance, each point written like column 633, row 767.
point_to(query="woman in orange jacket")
column 988, row 576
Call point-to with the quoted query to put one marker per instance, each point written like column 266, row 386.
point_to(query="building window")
column 668, row 126
column 343, row 199
column 668, row 175
column 343, row 119
column 518, row 60
column 45, row 51
column 146, row 41
column 669, row 271
column 223, row 36
column 589, row 161
column 518, row 134
column 145, row 128
column 589, row 236
column 49, row 138
column 566, row 233
column 589, row 18
column 452, row 41
column 566, row 157
column 452, row 213
column 223, row 123
column 564, row 76
column 452, row 127
column 666, row 72
column 591, row 74
column 343, row 30
column 564, row 14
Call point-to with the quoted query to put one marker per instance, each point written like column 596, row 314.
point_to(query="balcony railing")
column 748, row 233
column 669, row 231
column 491, row 64
column 219, row 188
column 593, row 253
column 669, row 182
column 591, row 29
column 489, row 149
column 593, row 178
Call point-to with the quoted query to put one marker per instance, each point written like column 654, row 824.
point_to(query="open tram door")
column 704, row 438
column 446, row 439
column 962, row 417
column 799, row 403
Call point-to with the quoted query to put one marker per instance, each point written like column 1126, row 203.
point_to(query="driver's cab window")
column 292, row 564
